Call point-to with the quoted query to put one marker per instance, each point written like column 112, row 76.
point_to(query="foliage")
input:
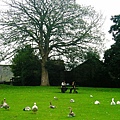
column 26, row 66
column 115, row 29
column 92, row 54
column 56, row 70
column 51, row 27
column 76, row 57
column 90, row 73
column 112, row 55
column 84, row 107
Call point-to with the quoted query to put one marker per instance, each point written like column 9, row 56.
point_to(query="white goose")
column 72, row 100
column 96, row 102
column 118, row 102
column 5, row 105
column 55, row 98
column 52, row 106
column 71, row 114
column 27, row 108
column 35, row 108
column 91, row 96
column 113, row 102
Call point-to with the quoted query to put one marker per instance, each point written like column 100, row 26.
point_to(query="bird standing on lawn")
column 113, row 102
column 52, row 106
column 35, row 108
column 71, row 114
column 5, row 105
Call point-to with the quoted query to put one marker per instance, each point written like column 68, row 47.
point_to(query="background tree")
column 79, row 56
column 26, row 66
column 92, row 54
column 112, row 55
column 52, row 27
column 56, row 70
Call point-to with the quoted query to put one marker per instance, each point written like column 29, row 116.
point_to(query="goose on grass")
column 35, row 108
column 5, row 105
column 96, row 102
column 91, row 96
column 118, row 102
column 27, row 108
column 55, row 98
column 72, row 100
column 52, row 106
column 113, row 102
column 71, row 114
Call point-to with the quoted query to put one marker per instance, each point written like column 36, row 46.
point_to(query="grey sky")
column 108, row 8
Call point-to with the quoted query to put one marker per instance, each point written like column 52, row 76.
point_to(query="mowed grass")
column 19, row 97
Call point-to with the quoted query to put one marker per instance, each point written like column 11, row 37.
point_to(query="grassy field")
column 83, row 107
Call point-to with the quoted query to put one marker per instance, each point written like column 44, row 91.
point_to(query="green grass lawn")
column 84, row 108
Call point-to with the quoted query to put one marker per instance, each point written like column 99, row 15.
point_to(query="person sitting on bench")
column 73, row 87
column 63, row 87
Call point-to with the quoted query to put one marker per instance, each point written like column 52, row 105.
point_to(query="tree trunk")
column 44, row 75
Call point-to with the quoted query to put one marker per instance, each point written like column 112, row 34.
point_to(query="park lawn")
column 19, row 97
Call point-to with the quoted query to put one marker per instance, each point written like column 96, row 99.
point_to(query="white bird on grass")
column 72, row 100
column 27, row 108
column 71, row 114
column 118, row 102
column 113, row 102
column 5, row 105
column 96, row 102
column 35, row 108
column 55, row 98
column 91, row 96
column 52, row 106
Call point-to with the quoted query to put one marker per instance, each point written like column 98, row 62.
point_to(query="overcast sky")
column 108, row 8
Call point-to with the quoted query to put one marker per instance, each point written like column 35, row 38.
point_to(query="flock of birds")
column 35, row 107
column 114, row 103
column 111, row 103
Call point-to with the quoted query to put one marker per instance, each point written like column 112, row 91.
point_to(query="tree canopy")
column 112, row 55
column 26, row 66
column 54, row 28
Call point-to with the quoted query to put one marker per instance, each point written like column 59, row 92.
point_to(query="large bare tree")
column 52, row 27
